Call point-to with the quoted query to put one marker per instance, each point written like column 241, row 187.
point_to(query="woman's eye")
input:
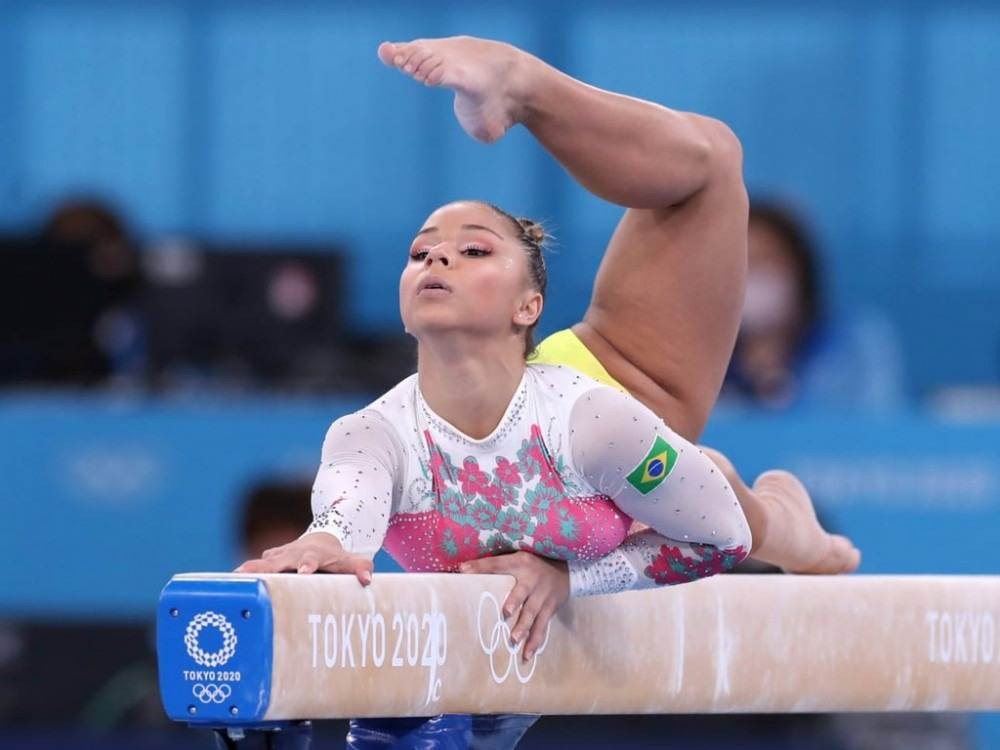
column 418, row 255
column 476, row 251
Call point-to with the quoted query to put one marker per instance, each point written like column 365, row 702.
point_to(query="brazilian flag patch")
column 655, row 467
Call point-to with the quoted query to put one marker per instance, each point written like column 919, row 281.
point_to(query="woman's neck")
column 470, row 387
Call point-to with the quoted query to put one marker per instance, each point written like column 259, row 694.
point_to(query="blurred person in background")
column 274, row 513
column 791, row 350
column 113, row 330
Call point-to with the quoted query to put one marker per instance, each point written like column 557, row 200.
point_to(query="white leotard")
column 566, row 471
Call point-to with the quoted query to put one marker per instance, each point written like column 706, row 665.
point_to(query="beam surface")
column 251, row 648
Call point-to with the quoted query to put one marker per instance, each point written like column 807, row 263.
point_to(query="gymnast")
column 573, row 466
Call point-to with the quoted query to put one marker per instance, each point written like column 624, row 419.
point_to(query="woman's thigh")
column 667, row 300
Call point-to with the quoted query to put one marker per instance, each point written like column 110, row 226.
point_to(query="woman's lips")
column 433, row 286
column 431, row 291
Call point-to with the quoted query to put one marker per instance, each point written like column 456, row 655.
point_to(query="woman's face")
column 467, row 273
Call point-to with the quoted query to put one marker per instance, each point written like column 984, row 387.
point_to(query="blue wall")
column 112, row 497
column 238, row 119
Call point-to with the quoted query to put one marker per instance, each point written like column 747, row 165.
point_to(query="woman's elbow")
column 734, row 536
column 738, row 540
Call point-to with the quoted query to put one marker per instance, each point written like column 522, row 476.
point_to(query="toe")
column 848, row 556
column 435, row 76
column 778, row 479
column 423, row 62
column 387, row 52
column 853, row 560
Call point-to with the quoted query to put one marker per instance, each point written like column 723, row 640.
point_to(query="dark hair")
column 531, row 234
column 275, row 502
column 85, row 220
column 801, row 249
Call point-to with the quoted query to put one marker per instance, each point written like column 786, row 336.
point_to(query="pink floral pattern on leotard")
column 520, row 503
column 671, row 566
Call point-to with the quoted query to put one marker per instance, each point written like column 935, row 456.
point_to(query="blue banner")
column 105, row 500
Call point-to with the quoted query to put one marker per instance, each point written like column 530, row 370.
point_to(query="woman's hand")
column 541, row 587
column 308, row 554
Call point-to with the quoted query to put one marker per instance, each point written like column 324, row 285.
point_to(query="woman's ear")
column 529, row 310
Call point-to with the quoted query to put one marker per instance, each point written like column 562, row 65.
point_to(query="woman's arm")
column 351, row 502
column 697, row 527
column 647, row 559
column 352, row 494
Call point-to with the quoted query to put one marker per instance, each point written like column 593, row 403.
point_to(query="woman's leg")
column 668, row 295
column 783, row 523
column 667, row 298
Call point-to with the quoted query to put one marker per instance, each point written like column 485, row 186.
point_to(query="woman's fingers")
column 539, row 629
column 529, row 611
column 486, row 565
column 505, row 565
column 308, row 562
column 533, row 598
column 363, row 570
column 516, row 598
column 273, row 564
column 340, row 562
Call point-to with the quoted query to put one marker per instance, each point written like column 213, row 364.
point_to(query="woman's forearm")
column 622, row 149
column 647, row 559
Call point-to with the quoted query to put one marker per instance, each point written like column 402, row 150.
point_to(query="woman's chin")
column 428, row 330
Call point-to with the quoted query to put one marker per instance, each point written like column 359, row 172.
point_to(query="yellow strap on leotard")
column 565, row 348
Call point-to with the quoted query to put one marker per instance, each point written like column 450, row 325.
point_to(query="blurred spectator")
column 91, row 224
column 274, row 513
column 68, row 300
column 115, row 330
column 791, row 351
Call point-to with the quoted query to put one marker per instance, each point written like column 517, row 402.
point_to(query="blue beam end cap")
column 214, row 646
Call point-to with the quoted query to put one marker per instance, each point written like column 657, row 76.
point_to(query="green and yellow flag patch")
column 655, row 467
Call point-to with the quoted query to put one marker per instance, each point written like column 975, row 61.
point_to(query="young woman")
column 482, row 452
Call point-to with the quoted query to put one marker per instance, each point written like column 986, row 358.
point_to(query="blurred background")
column 204, row 210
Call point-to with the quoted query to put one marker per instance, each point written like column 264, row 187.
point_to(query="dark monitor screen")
column 50, row 302
column 255, row 316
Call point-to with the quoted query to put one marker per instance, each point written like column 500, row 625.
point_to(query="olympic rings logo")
column 211, row 693
column 216, row 658
column 499, row 639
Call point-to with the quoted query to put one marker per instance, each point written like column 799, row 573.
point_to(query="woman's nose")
column 437, row 253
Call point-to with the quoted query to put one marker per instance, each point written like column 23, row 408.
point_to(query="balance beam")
column 252, row 649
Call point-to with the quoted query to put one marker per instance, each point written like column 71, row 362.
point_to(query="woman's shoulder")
column 399, row 398
column 565, row 384
column 377, row 429
column 386, row 410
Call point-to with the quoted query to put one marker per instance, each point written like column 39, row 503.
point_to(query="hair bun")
column 534, row 230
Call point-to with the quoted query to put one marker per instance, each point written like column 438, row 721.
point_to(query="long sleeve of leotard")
column 352, row 494
column 658, row 478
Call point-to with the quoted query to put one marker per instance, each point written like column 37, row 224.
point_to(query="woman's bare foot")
column 794, row 539
column 784, row 526
column 487, row 78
